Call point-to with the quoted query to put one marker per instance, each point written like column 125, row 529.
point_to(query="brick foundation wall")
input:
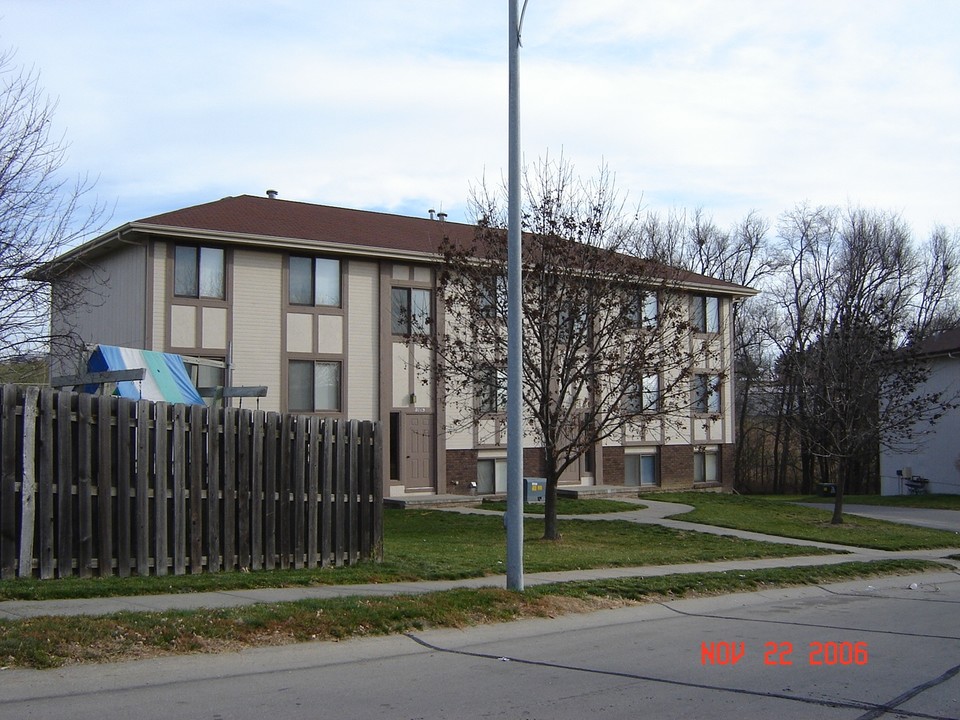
column 461, row 471
column 533, row 462
column 676, row 467
column 613, row 466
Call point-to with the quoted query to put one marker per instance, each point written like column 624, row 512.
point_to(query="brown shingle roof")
column 253, row 216
column 264, row 217
column 942, row 343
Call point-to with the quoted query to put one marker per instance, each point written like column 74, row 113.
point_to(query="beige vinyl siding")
column 257, row 303
column 112, row 307
column 363, row 333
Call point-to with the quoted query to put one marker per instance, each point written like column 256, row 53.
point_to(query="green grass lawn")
column 933, row 502
column 46, row 642
column 775, row 516
column 433, row 545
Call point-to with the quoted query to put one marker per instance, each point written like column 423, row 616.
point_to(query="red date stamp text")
column 782, row 653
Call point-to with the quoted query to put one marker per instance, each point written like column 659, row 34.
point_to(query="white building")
column 937, row 454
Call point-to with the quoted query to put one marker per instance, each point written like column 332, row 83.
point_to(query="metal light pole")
column 514, row 516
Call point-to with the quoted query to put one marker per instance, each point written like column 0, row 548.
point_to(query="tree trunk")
column 550, row 529
column 840, row 481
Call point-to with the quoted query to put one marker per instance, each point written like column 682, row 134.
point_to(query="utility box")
column 534, row 489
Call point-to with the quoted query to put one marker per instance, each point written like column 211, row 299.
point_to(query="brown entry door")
column 419, row 461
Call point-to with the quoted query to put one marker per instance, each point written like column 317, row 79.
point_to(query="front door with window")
column 419, row 461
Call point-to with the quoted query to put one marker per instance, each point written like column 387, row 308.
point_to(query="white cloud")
column 733, row 106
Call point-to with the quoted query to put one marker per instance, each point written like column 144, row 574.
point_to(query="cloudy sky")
column 725, row 105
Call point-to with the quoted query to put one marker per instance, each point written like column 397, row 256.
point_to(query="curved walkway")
column 924, row 517
column 653, row 512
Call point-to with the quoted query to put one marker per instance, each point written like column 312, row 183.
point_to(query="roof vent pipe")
column 441, row 216
column 433, row 213
column 272, row 194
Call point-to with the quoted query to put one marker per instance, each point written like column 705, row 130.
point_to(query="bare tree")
column 41, row 213
column 855, row 302
column 606, row 350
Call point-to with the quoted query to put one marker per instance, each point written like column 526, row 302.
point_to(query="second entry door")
column 419, row 446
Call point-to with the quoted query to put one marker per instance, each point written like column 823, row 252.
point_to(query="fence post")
column 28, row 486
column 179, row 489
column 86, row 442
column 326, row 493
column 313, row 481
column 124, row 477
column 161, row 486
column 270, row 492
column 299, row 471
column 339, row 490
column 378, row 491
column 244, row 486
column 142, row 505
column 353, row 527
column 283, row 488
column 229, row 486
column 366, row 499
column 256, row 493
column 8, row 481
column 105, row 475
column 45, row 478
column 214, row 483
column 64, row 465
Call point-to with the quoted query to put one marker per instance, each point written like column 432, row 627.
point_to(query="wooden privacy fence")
column 104, row 485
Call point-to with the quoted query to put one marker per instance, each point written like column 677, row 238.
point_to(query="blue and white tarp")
column 166, row 377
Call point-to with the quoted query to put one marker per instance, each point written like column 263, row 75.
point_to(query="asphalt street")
column 884, row 648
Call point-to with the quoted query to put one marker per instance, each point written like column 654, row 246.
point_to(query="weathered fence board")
column 179, row 489
column 256, row 493
column 45, row 484
column 105, row 407
column 124, row 523
column 161, row 492
column 101, row 485
column 28, row 485
column 85, row 445
column 8, row 480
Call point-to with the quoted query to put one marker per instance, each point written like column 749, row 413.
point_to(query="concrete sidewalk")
column 654, row 512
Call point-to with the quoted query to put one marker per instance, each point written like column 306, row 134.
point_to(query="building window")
column 644, row 310
column 706, row 465
column 641, row 468
column 198, row 272
column 706, row 393
column 705, row 314
column 411, row 314
column 486, row 477
column 492, row 390
column 491, row 476
column 645, row 397
column 493, row 298
column 206, row 375
column 314, row 281
column 313, row 386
